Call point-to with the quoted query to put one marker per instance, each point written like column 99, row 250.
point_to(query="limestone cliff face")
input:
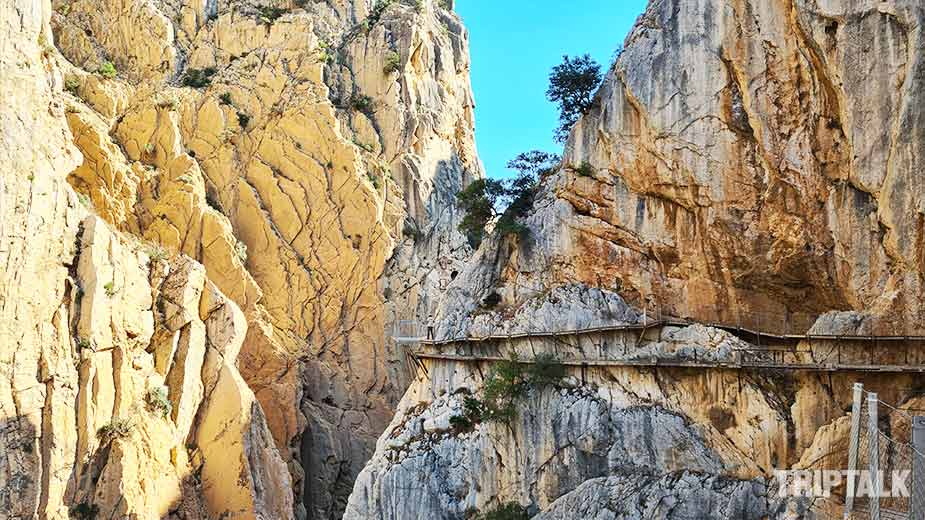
column 676, row 435
column 610, row 441
column 221, row 206
column 747, row 160
column 751, row 162
column 118, row 382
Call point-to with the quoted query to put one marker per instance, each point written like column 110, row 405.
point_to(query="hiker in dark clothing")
column 430, row 326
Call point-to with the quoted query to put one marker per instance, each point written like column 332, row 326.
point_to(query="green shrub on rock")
column 107, row 70
column 198, row 78
column 157, row 402
column 392, row 62
column 508, row 511
column 507, row 383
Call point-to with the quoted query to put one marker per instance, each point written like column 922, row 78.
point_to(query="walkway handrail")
column 738, row 362
column 669, row 322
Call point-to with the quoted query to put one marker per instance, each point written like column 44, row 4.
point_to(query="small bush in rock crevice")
column 243, row 120
column 508, row 511
column 107, row 70
column 506, row 384
column 85, row 511
column 411, row 231
column 157, row 402
column 392, row 62
column 72, row 85
column 376, row 14
column 269, row 14
column 116, row 429
column 584, row 170
column 198, row 78
column 361, row 103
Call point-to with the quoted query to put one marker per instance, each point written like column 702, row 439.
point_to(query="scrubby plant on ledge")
column 376, row 14
column 72, row 85
column 107, row 70
column 506, row 384
column 85, row 511
column 269, row 14
column 157, row 253
column 243, row 120
column 392, row 62
column 411, row 231
column 198, row 78
column 116, row 429
column 584, row 169
column 157, row 402
column 361, row 103
column 508, row 511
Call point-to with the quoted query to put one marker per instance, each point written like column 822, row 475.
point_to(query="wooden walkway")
column 760, row 358
column 738, row 331
column 686, row 363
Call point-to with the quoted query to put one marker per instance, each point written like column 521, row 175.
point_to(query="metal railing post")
column 917, row 498
column 873, row 442
column 856, row 403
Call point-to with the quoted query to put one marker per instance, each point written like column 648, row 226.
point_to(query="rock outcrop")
column 748, row 163
column 728, row 427
column 289, row 172
column 743, row 162
column 681, row 495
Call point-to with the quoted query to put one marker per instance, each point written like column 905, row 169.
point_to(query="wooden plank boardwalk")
column 741, row 359
column 664, row 323
column 682, row 363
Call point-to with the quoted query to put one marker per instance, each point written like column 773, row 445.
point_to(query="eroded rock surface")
column 672, row 496
column 300, row 160
column 751, row 162
column 676, row 434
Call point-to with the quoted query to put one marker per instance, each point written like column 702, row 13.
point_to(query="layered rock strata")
column 297, row 162
column 744, row 162
column 679, row 434
column 748, row 163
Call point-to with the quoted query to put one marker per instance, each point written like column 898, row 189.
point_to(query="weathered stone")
column 752, row 163
column 242, row 475
column 637, row 495
column 291, row 195
column 606, row 421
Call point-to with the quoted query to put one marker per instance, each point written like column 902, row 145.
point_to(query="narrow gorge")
column 216, row 217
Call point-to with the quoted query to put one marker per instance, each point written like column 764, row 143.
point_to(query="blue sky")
column 514, row 44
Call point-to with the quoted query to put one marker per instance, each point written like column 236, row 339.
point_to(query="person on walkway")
column 430, row 326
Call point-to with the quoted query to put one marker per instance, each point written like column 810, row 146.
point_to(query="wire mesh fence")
column 406, row 331
column 885, row 462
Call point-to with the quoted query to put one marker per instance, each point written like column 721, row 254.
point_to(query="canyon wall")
column 220, row 206
column 749, row 163
column 610, row 441
column 119, row 392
